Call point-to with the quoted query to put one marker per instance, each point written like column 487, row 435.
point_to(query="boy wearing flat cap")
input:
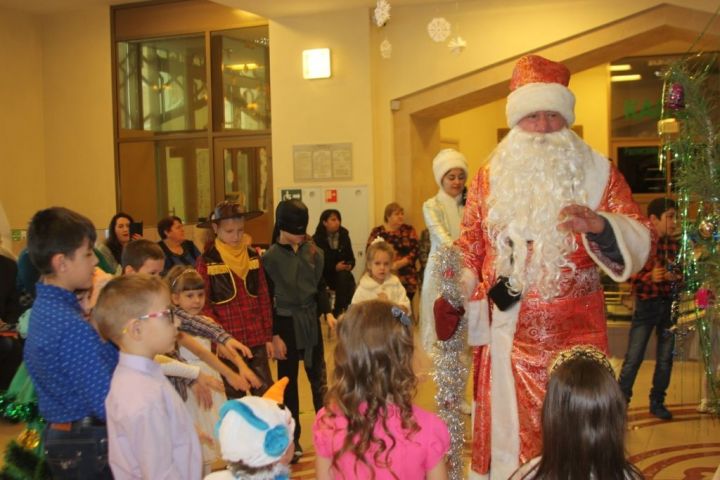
column 236, row 293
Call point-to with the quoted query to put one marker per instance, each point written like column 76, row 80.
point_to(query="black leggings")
column 344, row 290
column 289, row 368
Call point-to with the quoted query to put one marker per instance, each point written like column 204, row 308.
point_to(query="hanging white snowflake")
column 385, row 49
column 382, row 13
column 457, row 45
column 439, row 29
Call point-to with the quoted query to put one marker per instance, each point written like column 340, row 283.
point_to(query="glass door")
column 243, row 173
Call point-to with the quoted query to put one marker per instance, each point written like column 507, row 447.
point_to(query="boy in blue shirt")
column 70, row 365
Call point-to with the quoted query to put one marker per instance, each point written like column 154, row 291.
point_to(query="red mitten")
column 447, row 318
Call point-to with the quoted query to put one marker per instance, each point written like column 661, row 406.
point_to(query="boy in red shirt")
column 236, row 292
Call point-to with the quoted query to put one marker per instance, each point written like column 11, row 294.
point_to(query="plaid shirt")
column 247, row 318
column 642, row 285
column 200, row 327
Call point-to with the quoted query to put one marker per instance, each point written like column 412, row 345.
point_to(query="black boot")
column 658, row 409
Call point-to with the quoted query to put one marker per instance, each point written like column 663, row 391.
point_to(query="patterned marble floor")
column 685, row 448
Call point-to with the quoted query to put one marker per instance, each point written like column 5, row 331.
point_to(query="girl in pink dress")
column 369, row 427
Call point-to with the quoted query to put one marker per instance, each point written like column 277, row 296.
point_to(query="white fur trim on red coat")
column 633, row 239
column 540, row 97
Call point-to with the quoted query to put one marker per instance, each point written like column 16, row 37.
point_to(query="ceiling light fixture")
column 626, row 78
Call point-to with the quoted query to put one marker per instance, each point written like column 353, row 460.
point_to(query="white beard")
column 532, row 177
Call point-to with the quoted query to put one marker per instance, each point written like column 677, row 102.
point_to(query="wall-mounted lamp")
column 623, row 67
column 316, row 63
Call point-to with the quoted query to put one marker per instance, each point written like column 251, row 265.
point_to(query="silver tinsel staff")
column 451, row 372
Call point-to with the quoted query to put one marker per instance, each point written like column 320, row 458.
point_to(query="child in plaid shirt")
column 654, row 294
column 236, row 291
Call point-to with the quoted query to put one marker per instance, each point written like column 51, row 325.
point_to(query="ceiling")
column 43, row 7
column 265, row 8
column 285, row 8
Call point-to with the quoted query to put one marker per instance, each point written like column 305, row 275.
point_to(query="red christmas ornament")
column 675, row 98
column 704, row 297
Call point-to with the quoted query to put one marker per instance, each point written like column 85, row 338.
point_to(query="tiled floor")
column 686, row 448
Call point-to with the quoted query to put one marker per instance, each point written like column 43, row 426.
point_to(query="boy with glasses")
column 144, row 256
column 150, row 432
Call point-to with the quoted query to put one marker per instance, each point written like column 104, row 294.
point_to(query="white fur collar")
column 371, row 284
column 597, row 175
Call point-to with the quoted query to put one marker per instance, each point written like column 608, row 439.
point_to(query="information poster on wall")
column 322, row 162
column 353, row 203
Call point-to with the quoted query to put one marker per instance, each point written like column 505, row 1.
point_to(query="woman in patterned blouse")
column 404, row 240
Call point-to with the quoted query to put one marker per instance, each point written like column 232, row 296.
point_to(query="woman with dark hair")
column 583, row 423
column 334, row 240
column 118, row 236
column 177, row 249
column 443, row 214
column 404, row 240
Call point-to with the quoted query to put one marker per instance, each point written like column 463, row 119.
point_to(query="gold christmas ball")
column 29, row 439
column 706, row 228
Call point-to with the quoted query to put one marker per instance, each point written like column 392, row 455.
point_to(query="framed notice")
column 322, row 162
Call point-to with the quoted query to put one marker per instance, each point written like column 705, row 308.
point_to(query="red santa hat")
column 538, row 85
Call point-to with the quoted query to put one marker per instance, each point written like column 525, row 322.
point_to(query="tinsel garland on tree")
column 23, row 457
column 690, row 147
column 450, row 373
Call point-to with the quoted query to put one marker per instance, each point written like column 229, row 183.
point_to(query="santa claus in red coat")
column 540, row 219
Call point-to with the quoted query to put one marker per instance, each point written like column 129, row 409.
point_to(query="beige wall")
column 56, row 114
column 334, row 110
column 22, row 181
column 77, row 89
column 475, row 132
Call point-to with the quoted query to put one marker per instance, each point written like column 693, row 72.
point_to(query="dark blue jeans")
column 652, row 314
column 78, row 454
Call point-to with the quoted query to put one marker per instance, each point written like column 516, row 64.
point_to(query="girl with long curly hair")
column 369, row 427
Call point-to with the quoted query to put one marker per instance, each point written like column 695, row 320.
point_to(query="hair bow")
column 400, row 314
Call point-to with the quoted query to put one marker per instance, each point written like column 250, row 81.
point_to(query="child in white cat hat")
column 256, row 437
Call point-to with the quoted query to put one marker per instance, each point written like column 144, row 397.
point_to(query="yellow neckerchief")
column 236, row 258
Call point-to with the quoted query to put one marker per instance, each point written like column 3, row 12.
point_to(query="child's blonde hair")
column 182, row 278
column 378, row 245
column 374, row 367
column 124, row 298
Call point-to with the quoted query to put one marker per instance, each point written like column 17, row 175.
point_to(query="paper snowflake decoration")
column 439, row 29
column 386, row 49
column 382, row 13
column 457, row 45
